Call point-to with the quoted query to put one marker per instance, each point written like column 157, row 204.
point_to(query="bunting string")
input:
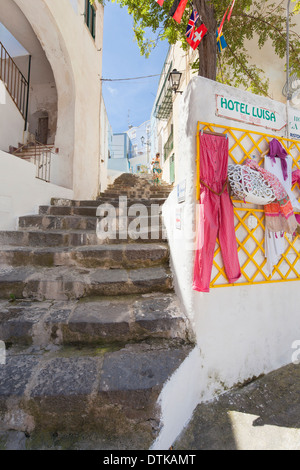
column 194, row 36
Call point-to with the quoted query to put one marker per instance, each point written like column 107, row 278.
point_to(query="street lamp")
column 174, row 80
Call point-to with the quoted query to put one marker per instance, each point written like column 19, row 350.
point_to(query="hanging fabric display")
column 160, row 2
column 276, row 150
column 279, row 215
column 177, row 9
column 249, row 185
column 216, row 217
column 279, row 163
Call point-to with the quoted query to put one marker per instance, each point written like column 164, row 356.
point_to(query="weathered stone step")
column 96, row 203
column 110, row 256
column 111, row 394
column 72, row 222
column 94, row 321
column 91, row 211
column 67, row 283
column 75, row 238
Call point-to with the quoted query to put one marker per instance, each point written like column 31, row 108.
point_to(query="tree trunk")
column 208, row 46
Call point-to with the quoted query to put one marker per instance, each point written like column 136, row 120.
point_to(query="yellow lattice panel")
column 249, row 219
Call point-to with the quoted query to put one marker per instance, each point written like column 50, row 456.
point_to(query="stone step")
column 93, row 322
column 108, row 395
column 104, row 199
column 91, row 211
column 55, row 222
column 75, row 238
column 111, row 256
column 68, row 283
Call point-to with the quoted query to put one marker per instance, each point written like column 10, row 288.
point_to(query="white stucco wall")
column 76, row 62
column 21, row 193
column 11, row 121
column 241, row 331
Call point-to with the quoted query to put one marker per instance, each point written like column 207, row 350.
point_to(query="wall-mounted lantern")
column 174, row 80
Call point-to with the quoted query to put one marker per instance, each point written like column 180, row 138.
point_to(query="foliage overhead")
column 252, row 24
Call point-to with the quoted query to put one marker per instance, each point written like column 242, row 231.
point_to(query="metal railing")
column 40, row 155
column 15, row 82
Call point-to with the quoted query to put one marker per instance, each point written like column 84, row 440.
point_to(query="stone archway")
column 51, row 39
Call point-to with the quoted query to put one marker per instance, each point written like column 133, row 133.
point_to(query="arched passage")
column 50, row 38
column 74, row 56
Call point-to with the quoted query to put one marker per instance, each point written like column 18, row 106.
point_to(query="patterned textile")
column 296, row 177
column 279, row 215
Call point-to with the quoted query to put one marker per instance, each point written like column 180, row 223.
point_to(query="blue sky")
column 122, row 59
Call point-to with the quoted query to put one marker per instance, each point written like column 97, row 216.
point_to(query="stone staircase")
column 92, row 329
column 30, row 150
column 138, row 187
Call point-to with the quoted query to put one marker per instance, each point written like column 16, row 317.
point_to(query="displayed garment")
column 296, row 179
column 277, row 151
column 279, row 215
column 279, row 163
column 216, row 217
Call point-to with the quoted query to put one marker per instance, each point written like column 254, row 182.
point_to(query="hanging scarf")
column 279, row 215
column 277, row 151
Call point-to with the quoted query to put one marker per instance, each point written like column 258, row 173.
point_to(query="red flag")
column 177, row 9
column 229, row 15
column 160, row 2
column 222, row 23
column 197, row 37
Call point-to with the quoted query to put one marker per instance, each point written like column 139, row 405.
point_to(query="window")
column 90, row 18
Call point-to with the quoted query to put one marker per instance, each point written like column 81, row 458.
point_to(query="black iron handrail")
column 15, row 82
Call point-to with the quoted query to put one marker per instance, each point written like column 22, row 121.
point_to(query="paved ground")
column 263, row 415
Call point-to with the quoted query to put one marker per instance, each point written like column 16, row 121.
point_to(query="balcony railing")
column 40, row 155
column 15, row 82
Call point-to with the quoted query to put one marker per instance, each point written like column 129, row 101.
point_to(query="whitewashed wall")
column 21, row 193
column 76, row 62
column 241, row 331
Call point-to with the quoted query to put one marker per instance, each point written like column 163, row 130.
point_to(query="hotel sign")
column 242, row 111
column 295, row 124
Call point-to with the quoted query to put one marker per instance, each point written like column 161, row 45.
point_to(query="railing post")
column 28, row 89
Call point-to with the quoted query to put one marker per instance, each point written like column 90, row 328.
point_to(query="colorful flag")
column 222, row 23
column 160, row 2
column 221, row 41
column 229, row 14
column 191, row 24
column 177, row 9
column 197, row 36
column 228, row 18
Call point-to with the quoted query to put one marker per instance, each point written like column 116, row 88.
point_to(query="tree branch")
column 246, row 71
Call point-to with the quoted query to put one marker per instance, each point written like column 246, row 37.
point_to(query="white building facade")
column 52, row 89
